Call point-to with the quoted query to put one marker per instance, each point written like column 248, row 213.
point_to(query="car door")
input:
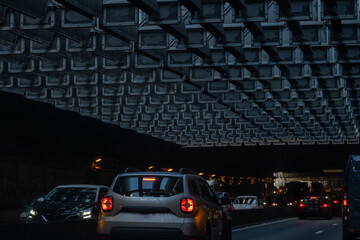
column 215, row 210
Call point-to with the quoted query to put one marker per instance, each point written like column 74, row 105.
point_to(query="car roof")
column 175, row 174
column 314, row 195
column 246, row 196
column 81, row 185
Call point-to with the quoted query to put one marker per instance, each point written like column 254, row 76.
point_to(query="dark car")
column 315, row 206
column 351, row 199
column 69, row 202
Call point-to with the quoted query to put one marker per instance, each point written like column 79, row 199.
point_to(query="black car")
column 315, row 206
column 69, row 202
column 351, row 199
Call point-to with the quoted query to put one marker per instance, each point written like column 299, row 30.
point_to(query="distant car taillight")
column 187, row 205
column 324, row 205
column 301, row 205
column 107, row 204
column 345, row 202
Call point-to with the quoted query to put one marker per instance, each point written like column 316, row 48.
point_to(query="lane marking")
column 263, row 224
column 319, row 232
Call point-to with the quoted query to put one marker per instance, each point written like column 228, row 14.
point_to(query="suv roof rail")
column 132, row 169
column 187, row 170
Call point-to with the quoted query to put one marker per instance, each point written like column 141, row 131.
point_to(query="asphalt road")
column 292, row 229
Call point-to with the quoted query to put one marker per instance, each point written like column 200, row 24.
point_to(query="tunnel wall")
column 21, row 182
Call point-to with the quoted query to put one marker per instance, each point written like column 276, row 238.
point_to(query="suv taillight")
column 324, row 205
column 107, row 204
column 187, row 205
column 301, row 205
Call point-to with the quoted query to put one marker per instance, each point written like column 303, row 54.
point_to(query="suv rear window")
column 314, row 200
column 155, row 186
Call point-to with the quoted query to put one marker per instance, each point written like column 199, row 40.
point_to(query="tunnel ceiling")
column 194, row 72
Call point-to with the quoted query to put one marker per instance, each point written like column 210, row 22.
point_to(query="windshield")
column 158, row 186
column 245, row 200
column 72, row 194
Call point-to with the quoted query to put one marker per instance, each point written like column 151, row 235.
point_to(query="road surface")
column 292, row 229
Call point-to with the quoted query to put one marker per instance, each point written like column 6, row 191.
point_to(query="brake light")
column 187, row 205
column 107, row 204
column 345, row 202
column 335, row 201
column 150, row 179
column 302, row 205
column 313, row 198
column 324, row 205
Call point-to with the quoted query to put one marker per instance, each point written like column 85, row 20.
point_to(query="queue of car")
column 157, row 205
column 145, row 205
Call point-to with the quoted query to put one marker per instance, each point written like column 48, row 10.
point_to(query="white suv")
column 162, row 205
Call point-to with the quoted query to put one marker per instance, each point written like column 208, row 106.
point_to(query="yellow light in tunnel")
column 170, row 170
column 98, row 160
column 151, row 167
column 200, row 174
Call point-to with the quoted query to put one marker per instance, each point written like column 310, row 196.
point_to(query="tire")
column 226, row 234
column 207, row 233
column 347, row 235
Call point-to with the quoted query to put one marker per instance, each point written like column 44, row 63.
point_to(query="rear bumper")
column 315, row 212
column 150, row 225
column 351, row 227
column 146, row 233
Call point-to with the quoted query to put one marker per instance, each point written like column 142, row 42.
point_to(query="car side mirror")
column 40, row 199
column 225, row 200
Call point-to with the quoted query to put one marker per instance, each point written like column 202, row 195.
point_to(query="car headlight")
column 85, row 214
column 32, row 213
column 23, row 215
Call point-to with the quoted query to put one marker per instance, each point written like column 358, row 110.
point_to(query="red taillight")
column 187, row 205
column 345, row 203
column 107, row 204
column 313, row 198
column 335, row 201
column 302, row 205
column 324, row 205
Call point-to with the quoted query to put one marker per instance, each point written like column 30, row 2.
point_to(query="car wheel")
column 227, row 232
column 207, row 233
column 347, row 235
